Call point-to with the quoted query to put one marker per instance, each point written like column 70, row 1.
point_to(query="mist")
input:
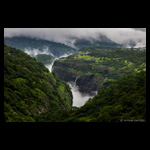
column 35, row 52
column 68, row 36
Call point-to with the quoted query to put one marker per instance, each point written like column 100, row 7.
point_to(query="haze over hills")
column 128, row 37
column 36, row 46
column 93, row 75
column 101, row 40
column 57, row 49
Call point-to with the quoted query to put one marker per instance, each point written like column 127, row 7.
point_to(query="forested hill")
column 31, row 92
column 98, row 66
column 122, row 101
column 28, row 43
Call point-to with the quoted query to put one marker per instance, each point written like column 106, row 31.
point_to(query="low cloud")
column 35, row 52
column 140, row 29
column 68, row 36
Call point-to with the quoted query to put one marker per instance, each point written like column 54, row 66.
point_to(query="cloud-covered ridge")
column 68, row 36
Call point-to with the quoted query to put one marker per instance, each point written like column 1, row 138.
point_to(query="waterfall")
column 76, row 81
column 50, row 66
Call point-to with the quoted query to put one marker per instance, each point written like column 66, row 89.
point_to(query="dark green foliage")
column 44, row 58
column 124, row 99
column 31, row 92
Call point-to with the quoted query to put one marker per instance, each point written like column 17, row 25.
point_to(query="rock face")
column 64, row 75
column 87, row 84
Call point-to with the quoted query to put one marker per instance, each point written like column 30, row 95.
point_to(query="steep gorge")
column 31, row 92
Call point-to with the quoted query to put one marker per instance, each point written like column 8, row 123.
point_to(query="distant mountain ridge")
column 59, row 49
column 101, row 40
column 23, row 43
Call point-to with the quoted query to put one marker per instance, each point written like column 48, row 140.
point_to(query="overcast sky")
column 63, row 35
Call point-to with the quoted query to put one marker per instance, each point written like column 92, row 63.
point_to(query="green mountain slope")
column 57, row 49
column 45, row 59
column 124, row 100
column 31, row 92
column 95, row 67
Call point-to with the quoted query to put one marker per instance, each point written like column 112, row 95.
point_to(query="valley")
column 34, row 46
column 95, row 68
column 31, row 92
column 91, row 79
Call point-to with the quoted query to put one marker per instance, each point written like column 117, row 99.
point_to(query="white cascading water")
column 75, row 83
column 50, row 66
column 79, row 99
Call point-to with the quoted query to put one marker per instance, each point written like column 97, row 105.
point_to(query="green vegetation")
column 22, row 43
column 124, row 99
column 44, row 58
column 31, row 92
column 105, row 63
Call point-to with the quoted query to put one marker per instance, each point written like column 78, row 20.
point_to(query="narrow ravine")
column 79, row 99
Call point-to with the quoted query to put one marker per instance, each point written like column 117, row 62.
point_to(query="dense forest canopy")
column 123, row 100
column 33, row 94
column 45, row 59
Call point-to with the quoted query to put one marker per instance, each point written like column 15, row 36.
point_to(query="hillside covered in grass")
column 31, row 92
column 96, row 67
